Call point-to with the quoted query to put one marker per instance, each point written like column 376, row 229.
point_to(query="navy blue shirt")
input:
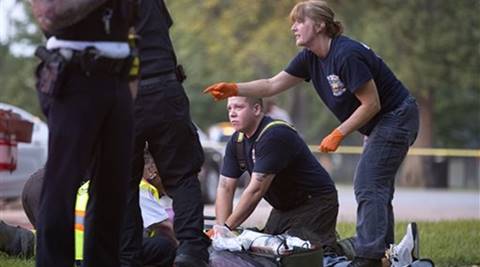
column 347, row 67
column 280, row 151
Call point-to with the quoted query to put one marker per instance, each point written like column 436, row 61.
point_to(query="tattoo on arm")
column 53, row 15
column 223, row 182
column 261, row 177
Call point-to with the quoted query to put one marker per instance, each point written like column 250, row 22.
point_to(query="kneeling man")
column 283, row 171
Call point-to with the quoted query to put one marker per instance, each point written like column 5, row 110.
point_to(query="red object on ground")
column 8, row 152
column 13, row 129
column 12, row 123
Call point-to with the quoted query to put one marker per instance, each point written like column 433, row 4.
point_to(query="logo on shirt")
column 338, row 88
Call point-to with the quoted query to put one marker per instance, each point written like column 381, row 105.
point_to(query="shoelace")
column 392, row 256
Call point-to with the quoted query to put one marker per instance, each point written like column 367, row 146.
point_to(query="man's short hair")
column 254, row 100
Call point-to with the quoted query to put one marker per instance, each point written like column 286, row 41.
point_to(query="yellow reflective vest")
column 81, row 207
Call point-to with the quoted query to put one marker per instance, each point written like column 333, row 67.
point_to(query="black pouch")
column 50, row 72
column 301, row 258
column 180, row 73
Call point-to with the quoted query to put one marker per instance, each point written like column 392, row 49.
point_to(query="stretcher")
column 264, row 254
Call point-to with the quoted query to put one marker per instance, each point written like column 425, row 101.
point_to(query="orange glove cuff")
column 232, row 89
column 337, row 134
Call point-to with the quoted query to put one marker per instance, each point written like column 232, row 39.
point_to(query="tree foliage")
column 16, row 72
column 432, row 46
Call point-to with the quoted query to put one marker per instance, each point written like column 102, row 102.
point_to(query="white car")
column 31, row 156
column 210, row 172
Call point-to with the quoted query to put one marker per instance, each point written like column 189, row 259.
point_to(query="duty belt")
column 90, row 63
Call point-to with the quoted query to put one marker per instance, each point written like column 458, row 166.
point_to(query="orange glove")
column 222, row 230
column 221, row 91
column 332, row 141
column 210, row 233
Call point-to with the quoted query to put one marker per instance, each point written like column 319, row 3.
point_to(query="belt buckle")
column 88, row 56
column 66, row 53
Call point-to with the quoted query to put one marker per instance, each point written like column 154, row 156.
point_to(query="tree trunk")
column 297, row 107
column 417, row 170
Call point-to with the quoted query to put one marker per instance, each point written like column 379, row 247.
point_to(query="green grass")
column 6, row 261
column 447, row 243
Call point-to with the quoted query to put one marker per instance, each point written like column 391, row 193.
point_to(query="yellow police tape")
column 415, row 151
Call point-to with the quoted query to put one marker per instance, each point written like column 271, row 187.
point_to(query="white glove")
column 224, row 239
column 222, row 231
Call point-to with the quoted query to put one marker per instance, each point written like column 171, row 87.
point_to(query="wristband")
column 228, row 227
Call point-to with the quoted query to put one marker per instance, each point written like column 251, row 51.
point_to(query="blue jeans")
column 374, row 180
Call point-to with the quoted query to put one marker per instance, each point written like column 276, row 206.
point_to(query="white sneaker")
column 407, row 250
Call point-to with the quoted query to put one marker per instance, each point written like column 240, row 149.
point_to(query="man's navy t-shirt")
column 347, row 67
column 280, row 151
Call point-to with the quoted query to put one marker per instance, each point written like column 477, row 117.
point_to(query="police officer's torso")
column 156, row 49
column 280, row 151
column 110, row 22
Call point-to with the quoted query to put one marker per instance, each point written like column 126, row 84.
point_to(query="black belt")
column 168, row 76
column 90, row 63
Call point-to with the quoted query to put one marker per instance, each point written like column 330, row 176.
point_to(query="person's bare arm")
column 53, row 15
column 369, row 107
column 224, row 201
column 268, row 87
column 250, row 198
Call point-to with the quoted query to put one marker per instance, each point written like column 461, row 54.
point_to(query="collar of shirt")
column 265, row 120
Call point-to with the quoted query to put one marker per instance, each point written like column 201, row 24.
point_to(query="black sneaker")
column 347, row 246
column 184, row 260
